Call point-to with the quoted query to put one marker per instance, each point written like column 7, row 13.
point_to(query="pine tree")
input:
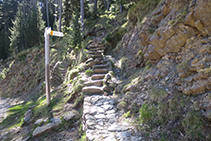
column 67, row 14
column 76, row 36
column 17, row 33
column 29, row 33
column 34, row 28
column 8, row 8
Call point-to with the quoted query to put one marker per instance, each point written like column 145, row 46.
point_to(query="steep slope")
column 165, row 62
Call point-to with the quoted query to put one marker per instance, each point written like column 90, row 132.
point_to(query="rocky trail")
column 101, row 120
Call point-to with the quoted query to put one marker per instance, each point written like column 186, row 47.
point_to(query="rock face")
column 179, row 46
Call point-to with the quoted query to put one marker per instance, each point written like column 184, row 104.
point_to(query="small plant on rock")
column 126, row 115
column 89, row 72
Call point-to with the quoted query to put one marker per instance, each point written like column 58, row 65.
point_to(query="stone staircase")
column 100, row 65
column 101, row 120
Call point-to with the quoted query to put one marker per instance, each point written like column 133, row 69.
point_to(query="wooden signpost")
column 47, row 34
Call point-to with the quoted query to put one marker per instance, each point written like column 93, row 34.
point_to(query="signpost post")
column 47, row 34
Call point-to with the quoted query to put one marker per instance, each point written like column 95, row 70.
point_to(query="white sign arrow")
column 56, row 33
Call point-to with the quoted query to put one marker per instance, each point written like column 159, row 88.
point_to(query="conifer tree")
column 34, row 27
column 17, row 33
column 76, row 36
column 26, row 34
column 67, row 13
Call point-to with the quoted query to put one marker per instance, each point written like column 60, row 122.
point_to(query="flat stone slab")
column 100, row 66
column 42, row 129
column 92, row 89
column 100, row 71
column 68, row 116
column 98, row 76
column 95, row 51
column 97, row 48
column 94, row 83
column 94, row 62
column 117, row 128
column 39, row 121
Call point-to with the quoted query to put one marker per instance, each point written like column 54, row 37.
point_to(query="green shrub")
column 193, row 125
column 140, row 10
column 151, row 30
column 122, row 105
column 126, row 115
column 114, row 37
column 147, row 113
column 3, row 74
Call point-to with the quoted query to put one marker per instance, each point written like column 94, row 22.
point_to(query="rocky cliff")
column 175, row 39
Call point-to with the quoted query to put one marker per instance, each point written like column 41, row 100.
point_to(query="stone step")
column 95, row 56
column 92, row 89
column 98, row 76
column 97, row 48
column 94, row 83
column 95, row 45
column 93, row 62
column 96, row 51
column 100, row 66
column 101, row 71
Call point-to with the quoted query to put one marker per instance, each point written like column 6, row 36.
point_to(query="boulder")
column 27, row 116
column 42, row 129
column 68, row 116
column 39, row 121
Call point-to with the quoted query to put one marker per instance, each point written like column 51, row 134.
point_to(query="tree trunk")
column 96, row 5
column 105, row 3
column 60, row 14
column 31, row 3
column 24, row 11
column 82, row 16
column 47, row 14
column 55, row 8
column 108, row 5
column 120, row 6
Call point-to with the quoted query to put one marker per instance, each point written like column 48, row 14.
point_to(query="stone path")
column 101, row 120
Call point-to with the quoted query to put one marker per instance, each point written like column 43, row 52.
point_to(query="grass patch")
column 179, row 17
column 184, row 67
column 77, row 85
column 15, row 115
column 193, row 125
column 147, row 113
